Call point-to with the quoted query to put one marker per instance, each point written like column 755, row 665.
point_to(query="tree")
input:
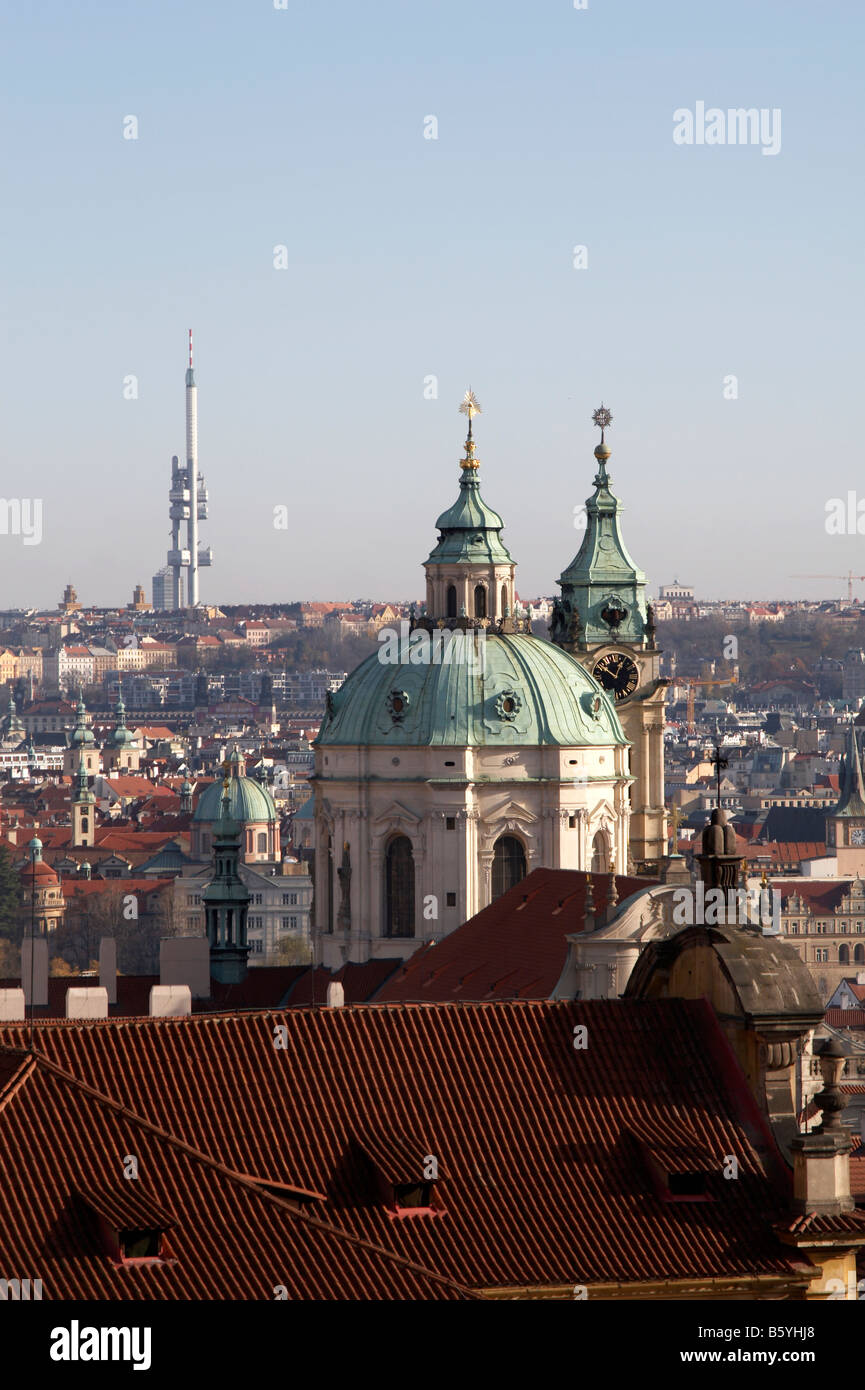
column 291, row 949
column 11, row 916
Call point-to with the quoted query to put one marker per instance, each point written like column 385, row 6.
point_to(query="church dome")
column 525, row 692
column 247, row 801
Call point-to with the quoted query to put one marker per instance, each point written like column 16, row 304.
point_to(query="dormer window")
column 140, row 1244
column 412, row 1196
column 405, row 1174
column 131, row 1228
column 678, row 1173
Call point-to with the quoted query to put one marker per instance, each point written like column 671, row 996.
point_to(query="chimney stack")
column 335, row 995
column 38, row 966
column 91, row 1002
column 108, row 967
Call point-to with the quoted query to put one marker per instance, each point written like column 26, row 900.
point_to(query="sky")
column 716, row 308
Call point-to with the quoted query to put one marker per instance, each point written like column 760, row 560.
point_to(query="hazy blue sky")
column 410, row 257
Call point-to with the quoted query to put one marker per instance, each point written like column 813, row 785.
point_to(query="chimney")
column 13, row 1008
column 87, row 1003
column 335, row 995
column 170, row 1001
column 39, row 948
column 185, row 960
column 108, row 967
column 821, row 1160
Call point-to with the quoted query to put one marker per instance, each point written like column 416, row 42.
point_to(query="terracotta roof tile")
column 515, row 948
column 543, row 1186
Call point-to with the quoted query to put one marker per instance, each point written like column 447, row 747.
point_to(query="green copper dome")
column 247, row 801
column 527, row 692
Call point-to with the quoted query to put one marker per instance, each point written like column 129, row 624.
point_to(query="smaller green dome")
column 247, row 801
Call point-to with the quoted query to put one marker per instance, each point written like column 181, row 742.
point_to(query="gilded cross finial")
column 602, row 418
column 470, row 406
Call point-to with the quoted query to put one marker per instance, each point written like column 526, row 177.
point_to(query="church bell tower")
column 604, row 621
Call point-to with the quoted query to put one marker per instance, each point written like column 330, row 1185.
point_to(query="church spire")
column 470, row 573
column 603, row 591
column 226, row 897
column 851, row 793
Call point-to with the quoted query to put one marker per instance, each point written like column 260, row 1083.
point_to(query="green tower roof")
column 81, row 734
column 851, row 794
column 470, row 531
column 602, row 581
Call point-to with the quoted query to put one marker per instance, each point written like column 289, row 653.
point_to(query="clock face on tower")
column 857, row 835
column 617, row 673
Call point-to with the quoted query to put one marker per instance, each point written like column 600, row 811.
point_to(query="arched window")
column 399, row 888
column 480, row 601
column 452, row 601
column 600, row 854
column 504, row 600
column 262, row 842
column 509, row 864
column 859, row 955
column 844, row 955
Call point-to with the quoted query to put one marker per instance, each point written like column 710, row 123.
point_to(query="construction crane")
column 691, row 682
column 849, row 576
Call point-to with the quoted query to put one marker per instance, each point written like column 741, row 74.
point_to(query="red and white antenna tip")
column 190, row 347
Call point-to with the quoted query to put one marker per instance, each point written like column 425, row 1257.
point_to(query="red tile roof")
column 821, row 895
column 845, row 1018
column 786, row 851
column 226, row 1237
column 513, row 949
column 541, row 1145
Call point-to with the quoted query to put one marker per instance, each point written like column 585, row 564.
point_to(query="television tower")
column 192, row 475
column 188, row 502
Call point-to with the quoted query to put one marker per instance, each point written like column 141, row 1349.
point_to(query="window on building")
column 843, row 955
column 794, row 929
column 859, row 955
column 140, row 1245
column 600, row 854
column 480, row 601
column 399, row 887
column 572, row 822
column 450, row 822
column 262, row 842
column 408, row 1195
column 452, row 601
column 509, row 864
column 450, row 900
column 822, row 953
